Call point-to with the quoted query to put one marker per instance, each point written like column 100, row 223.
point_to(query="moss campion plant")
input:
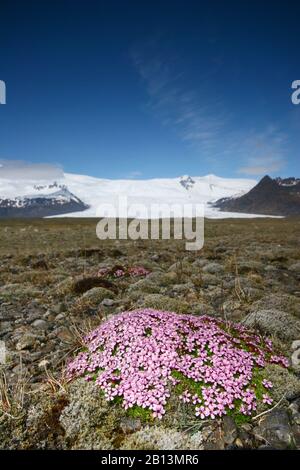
column 143, row 356
column 123, row 271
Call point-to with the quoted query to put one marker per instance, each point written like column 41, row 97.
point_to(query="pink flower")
column 267, row 384
column 136, row 271
column 133, row 271
column 185, row 397
column 119, row 273
column 196, row 399
column 266, row 399
column 142, row 355
column 103, row 272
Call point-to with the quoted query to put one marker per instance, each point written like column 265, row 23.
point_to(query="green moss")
column 239, row 418
column 257, row 378
column 187, row 384
column 143, row 414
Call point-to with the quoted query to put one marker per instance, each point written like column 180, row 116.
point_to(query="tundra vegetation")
column 144, row 345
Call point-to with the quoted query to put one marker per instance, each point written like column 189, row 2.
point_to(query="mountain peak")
column 266, row 178
column 266, row 181
column 267, row 197
column 187, row 182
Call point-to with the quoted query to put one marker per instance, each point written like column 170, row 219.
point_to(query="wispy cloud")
column 264, row 152
column 200, row 117
column 19, row 169
column 177, row 105
column 133, row 174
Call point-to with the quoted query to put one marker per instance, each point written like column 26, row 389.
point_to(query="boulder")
column 213, row 268
column 295, row 267
column 275, row 430
column 159, row 438
column 285, row 383
column 27, row 341
column 97, row 295
column 163, row 302
column 40, row 324
column 274, row 322
column 229, row 430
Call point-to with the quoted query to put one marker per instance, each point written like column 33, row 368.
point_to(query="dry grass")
column 12, row 396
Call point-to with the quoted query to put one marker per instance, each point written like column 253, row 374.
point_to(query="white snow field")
column 97, row 192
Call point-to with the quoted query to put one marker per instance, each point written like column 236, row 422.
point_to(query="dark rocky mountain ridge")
column 280, row 197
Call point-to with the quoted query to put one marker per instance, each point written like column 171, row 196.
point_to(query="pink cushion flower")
column 141, row 356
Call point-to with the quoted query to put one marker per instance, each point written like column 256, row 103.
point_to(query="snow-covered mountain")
column 82, row 196
column 58, row 202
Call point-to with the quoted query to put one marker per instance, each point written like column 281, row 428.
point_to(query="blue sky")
column 124, row 89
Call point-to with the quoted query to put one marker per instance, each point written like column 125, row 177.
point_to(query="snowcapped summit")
column 41, row 205
column 187, row 182
column 62, row 196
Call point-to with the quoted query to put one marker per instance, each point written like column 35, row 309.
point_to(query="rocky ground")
column 51, row 295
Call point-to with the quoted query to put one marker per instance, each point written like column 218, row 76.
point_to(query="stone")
column 296, row 435
column 182, row 288
column 200, row 262
column 144, row 285
column 160, row 438
column 60, row 317
column 213, row 268
column 59, row 308
column 40, row 324
column 284, row 302
column 285, row 382
column 296, row 344
column 44, row 363
column 295, row 411
column 163, row 302
column 245, row 438
column 209, row 280
column 26, row 342
column 229, row 430
column 130, row 425
column 63, row 334
column 215, row 441
column 20, row 370
column 295, row 267
column 48, row 314
column 85, row 419
column 275, row 429
column 203, row 308
column 6, row 327
column 239, row 443
column 296, row 358
column 249, row 266
column 107, row 302
column 97, row 295
column 274, row 322
column 231, row 305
